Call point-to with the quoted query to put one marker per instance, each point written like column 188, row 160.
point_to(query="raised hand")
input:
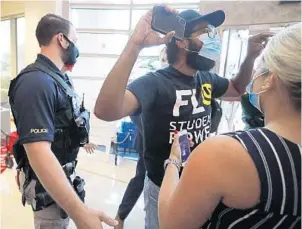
column 257, row 43
column 143, row 35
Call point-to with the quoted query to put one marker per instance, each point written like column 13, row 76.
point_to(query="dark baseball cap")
column 193, row 18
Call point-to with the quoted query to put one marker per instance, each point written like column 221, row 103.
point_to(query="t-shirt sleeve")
column 145, row 90
column 35, row 97
column 219, row 85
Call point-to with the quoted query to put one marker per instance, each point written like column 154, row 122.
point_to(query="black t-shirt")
column 169, row 101
column 37, row 98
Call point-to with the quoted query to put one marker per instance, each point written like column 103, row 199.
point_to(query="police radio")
column 82, row 122
column 82, row 108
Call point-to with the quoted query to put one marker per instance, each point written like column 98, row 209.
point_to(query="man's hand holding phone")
column 143, row 35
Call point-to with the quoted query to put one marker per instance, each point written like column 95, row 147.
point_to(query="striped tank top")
column 278, row 162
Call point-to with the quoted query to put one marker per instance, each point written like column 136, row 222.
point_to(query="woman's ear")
column 182, row 44
column 269, row 82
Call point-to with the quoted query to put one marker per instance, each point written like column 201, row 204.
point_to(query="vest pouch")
column 42, row 200
column 83, row 127
column 58, row 146
column 78, row 185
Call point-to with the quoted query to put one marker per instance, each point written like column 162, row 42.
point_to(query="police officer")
column 52, row 126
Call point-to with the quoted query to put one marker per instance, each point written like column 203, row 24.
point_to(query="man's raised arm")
column 114, row 101
column 256, row 44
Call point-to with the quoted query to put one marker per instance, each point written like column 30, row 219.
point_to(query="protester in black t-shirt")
column 136, row 184
column 175, row 98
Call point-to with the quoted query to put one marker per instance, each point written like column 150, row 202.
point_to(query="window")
column 234, row 48
column 20, row 44
column 94, row 67
column 165, row 1
column 101, row 18
column 5, row 58
column 90, row 89
column 12, row 55
column 104, row 1
column 136, row 15
column 104, row 28
column 102, row 43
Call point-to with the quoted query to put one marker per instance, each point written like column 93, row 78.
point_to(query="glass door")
column 5, row 59
column 234, row 50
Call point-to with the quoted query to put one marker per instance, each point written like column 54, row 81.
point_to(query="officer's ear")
column 62, row 40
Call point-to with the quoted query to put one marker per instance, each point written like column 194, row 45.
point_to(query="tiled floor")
column 105, row 185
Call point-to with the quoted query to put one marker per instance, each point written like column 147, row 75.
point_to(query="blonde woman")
column 248, row 179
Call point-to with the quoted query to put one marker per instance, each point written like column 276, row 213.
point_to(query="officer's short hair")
column 49, row 26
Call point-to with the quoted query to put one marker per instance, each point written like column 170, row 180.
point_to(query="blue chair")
column 125, row 140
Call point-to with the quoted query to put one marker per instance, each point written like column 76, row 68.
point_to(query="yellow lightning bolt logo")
column 206, row 90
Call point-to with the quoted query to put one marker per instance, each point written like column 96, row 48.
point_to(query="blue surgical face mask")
column 211, row 47
column 254, row 98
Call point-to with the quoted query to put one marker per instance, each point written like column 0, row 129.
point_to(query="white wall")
column 11, row 8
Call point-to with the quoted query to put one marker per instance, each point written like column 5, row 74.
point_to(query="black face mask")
column 198, row 62
column 70, row 55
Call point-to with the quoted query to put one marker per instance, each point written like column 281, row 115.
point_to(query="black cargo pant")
column 134, row 190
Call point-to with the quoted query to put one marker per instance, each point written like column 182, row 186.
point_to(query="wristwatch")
column 174, row 162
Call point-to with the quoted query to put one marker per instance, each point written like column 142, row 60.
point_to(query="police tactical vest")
column 66, row 138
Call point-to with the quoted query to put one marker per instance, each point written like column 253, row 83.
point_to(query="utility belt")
column 41, row 198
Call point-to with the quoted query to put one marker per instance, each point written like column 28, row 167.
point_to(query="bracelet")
column 174, row 162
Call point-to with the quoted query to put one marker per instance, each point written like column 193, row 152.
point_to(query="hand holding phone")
column 143, row 35
column 184, row 144
column 165, row 22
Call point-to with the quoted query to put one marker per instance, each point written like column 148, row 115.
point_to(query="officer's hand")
column 90, row 147
column 93, row 219
column 144, row 36
column 257, row 43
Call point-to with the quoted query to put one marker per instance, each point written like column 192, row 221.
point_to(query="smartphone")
column 164, row 22
column 184, row 146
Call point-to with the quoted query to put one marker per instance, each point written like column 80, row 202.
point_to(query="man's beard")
column 198, row 62
column 64, row 55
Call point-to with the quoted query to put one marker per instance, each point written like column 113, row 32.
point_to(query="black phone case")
column 156, row 10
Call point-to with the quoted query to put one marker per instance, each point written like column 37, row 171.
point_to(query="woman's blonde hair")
column 282, row 56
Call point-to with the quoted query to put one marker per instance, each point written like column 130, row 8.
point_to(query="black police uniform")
column 46, row 110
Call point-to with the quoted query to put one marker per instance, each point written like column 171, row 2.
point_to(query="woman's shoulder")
column 231, row 165
column 226, row 148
